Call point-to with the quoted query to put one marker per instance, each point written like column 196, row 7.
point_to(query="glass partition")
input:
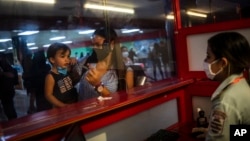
column 27, row 27
column 198, row 12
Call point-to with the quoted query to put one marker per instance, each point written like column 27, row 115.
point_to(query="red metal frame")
column 51, row 124
column 181, row 43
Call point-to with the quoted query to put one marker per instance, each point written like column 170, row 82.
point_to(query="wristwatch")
column 99, row 88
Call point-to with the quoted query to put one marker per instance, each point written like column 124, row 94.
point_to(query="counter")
column 94, row 114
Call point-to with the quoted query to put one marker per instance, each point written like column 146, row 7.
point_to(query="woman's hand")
column 96, row 71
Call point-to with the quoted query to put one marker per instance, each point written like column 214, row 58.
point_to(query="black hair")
column 232, row 46
column 53, row 48
column 108, row 33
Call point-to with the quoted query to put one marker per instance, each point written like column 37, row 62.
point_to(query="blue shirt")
column 109, row 80
column 86, row 90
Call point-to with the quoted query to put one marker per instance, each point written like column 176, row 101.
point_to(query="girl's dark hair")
column 53, row 48
column 232, row 46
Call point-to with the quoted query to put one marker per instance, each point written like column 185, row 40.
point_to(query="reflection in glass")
column 213, row 11
column 138, row 31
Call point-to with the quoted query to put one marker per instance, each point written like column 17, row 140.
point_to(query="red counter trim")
column 130, row 110
column 122, row 106
column 181, row 43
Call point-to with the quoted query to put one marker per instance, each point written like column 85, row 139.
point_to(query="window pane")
column 29, row 26
column 198, row 12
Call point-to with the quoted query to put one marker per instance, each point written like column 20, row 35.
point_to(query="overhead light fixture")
column 30, row 44
column 39, row 1
column 54, row 30
column 170, row 16
column 4, row 40
column 110, row 8
column 57, row 38
column 47, row 45
column 130, row 30
column 196, row 14
column 32, row 48
column 86, row 32
column 66, row 42
column 10, row 48
column 2, row 50
column 28, row 33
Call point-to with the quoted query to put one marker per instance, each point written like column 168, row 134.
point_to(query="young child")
column 59, row 87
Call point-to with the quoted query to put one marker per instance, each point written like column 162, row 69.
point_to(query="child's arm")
column 49, row 85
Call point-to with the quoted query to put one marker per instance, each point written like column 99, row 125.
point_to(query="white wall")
column 140, row 126
column 197, row 48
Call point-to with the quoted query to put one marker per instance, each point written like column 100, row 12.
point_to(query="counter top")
column 41, row 122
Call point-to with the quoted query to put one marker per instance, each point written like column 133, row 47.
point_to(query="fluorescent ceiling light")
column 109, row 8
column 196, row 14
column 47, row 45
column 30, row 44
column 28, row 33
column 67, row 42
column 10, row 48
column 39, row 1
column 130, row 30
column 53, row 30
column 32, row 48
column 16, row 30
column 4, row 40
column 57, row 38
column 170, row 16
column 2, row 50
column 86, row 32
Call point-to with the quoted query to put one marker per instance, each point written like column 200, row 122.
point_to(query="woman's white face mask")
column 125, row 54
column 207, row 68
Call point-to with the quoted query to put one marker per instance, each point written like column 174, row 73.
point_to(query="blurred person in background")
column 39, row 71
column 154, row 56
column 8, row 79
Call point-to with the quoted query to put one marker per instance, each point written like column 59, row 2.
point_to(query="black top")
column 64, row 89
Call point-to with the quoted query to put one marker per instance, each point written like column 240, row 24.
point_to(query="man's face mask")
column 207, row 68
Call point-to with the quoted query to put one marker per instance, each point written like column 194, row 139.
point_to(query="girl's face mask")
column 207, row 68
